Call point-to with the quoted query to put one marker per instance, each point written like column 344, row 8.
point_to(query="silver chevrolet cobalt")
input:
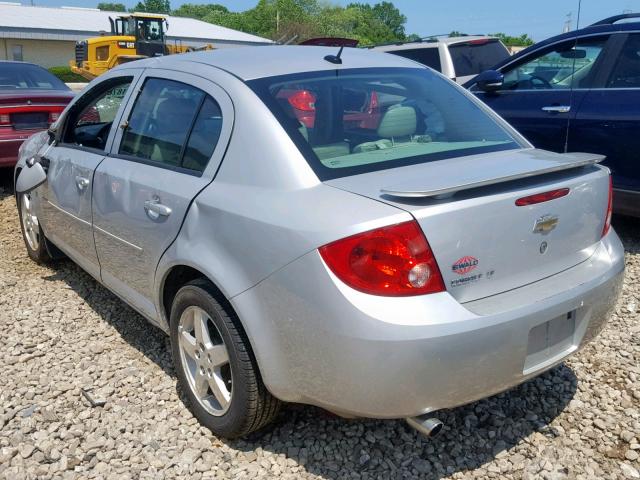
column 347, row 229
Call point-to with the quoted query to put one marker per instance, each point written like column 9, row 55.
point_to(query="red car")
column 31, row 99
column 360, row 110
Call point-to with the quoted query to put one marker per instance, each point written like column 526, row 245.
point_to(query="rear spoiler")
column 441, row 184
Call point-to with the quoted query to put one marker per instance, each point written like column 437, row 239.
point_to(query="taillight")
column 53, row 116
column 373, row 102
column 303, row 100
column 542, row 197
column 609, row 214
column 392, row 261
column 5, row 120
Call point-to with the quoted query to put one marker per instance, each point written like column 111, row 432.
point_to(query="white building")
column 47, row 36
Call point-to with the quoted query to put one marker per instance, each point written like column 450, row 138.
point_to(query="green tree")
column 304, row 19
column 112, row 7
column 153, row 6
column 199, row 11
column 523, row 40
column 386, row 13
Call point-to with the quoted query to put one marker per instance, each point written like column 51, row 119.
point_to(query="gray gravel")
column 61, row 333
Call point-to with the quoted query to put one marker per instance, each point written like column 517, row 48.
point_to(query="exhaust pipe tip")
column 428, row 426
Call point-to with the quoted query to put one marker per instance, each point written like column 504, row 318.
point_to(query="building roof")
column 70, row 23
column 257, row 62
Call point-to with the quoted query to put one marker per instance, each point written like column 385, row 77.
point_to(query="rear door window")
column 476, row 56
column 426, row 56
column 172, row 124
column 626, row 72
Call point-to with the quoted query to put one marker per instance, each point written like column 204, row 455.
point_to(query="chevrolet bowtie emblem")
column 545, row 224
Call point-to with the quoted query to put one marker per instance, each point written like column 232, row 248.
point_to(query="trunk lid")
column 32, row 110
column 484, row 244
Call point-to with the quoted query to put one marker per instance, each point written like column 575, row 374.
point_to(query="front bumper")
column 319, row 342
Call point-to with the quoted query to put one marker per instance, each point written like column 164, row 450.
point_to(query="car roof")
column 431, row 42
column 20, row 63
column 591, row 30
column 248, row 63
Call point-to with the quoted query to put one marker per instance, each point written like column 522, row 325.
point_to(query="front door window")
column 565, row 66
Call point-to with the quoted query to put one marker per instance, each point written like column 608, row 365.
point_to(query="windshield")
column 347, row 122
column 24, row 76
column 476, row 56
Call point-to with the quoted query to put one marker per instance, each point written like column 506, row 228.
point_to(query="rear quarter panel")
column 265, row 207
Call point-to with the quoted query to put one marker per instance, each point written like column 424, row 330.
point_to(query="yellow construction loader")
column 133, row 36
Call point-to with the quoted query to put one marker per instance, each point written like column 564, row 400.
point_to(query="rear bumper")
column 319, row 342
column 10, row 144
column 626, row 202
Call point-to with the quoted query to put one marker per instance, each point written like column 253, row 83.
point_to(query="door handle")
column 155, row 209
column 557, row 109
column 82, row 182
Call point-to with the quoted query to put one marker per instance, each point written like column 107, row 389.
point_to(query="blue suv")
column 579, row 91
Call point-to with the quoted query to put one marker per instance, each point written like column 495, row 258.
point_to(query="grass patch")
column 66, row 75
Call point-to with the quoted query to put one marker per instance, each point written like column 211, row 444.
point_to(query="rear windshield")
column 474, row 57
column 347, row 122
column 23, row 76
column 426, row 56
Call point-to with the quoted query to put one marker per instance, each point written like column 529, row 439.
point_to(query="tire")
column 32, row 233
column 246, row 405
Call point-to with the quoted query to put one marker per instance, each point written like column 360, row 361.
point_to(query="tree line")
column 300, row 20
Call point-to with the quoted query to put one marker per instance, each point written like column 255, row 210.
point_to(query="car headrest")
column 400, row 121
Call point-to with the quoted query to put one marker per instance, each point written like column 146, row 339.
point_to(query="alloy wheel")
column 30, row 222
column 205, row 360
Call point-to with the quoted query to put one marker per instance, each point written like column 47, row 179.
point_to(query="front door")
column 159, row 162
column 542, row 91
column 71, row 162
column 608, row 122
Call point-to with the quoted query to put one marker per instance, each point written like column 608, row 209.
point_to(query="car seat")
column 398, row 125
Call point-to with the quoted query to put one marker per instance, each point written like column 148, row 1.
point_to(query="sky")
column 538, row 18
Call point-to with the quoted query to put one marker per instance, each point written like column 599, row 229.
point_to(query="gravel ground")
column 61, row 332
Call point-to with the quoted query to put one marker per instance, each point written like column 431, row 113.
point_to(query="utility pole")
column 567, row 23
column 277, row 20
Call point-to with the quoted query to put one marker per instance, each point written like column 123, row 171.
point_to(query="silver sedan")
column 346, row 229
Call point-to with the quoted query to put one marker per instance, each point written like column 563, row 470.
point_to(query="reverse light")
column 609, row 214
column 303, row 100
column 542, row 197
column 5, row 119
column 391, row 261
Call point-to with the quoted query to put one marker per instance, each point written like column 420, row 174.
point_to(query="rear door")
column 608, row 120
column 166, row 152
column 543, row 90
column 72, row 160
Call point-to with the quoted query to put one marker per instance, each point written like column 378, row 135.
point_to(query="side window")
column 172, row 124
column 92, row 120
column 626, row 72
column 564, row 66
column 204, row 136
column 426, row 56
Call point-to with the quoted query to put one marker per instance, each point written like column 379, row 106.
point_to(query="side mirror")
column 489, row 81
column 52, row 134
column 32, row 176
